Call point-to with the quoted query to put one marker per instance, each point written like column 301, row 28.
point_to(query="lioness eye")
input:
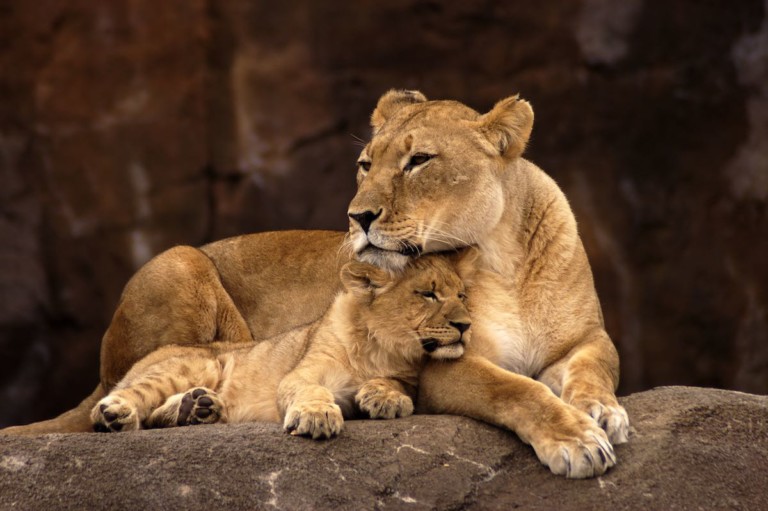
column 416, row 160
column 364, row 165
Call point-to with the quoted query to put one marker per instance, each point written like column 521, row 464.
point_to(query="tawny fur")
column 535, row 311
column 363, row 355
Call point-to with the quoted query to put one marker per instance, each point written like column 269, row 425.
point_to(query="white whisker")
column 433, row 232
column 345, row 249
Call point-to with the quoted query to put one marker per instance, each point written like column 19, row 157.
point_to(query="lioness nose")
column 461, row 327
column 365, row 219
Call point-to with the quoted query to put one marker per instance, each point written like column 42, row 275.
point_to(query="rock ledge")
column 691, row 448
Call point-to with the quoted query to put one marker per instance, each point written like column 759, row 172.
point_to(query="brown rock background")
column 129, row 126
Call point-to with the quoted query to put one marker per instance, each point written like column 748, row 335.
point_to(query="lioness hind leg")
column 384, row 398
column 113, row 414
column 198, row 405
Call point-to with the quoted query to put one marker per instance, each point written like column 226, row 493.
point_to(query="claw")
column 567, row 458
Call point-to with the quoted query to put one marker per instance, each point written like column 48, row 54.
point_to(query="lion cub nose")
column 365, row 219
column 460, row 326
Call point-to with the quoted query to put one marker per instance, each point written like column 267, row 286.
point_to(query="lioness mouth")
column 408, row 249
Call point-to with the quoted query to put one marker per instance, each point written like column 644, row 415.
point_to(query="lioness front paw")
column 382, row 402
column 576, row 448
column 318, row 420
column 113, row 414
column 199, row 406
column 612, row 418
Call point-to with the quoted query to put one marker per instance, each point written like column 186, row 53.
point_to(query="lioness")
column 436, row 175
column 363, row 355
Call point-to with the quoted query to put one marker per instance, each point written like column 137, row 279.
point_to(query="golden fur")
column 363, row 355
column 436, row 175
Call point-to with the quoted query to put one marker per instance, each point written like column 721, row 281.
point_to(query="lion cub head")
column 431, row 177
column 420, row 310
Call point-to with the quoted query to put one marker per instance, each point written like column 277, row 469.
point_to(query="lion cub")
column 363, row 355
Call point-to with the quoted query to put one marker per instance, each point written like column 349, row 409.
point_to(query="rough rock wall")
column 129, row 126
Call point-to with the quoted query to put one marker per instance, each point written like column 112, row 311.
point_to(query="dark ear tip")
column 402, row 96
column 391, row 101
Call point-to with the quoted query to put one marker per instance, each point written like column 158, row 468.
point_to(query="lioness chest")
column 500, row 331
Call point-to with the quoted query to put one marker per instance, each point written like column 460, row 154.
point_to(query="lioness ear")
column 392, row 101
column 465, row 261
column 508, row 125
column 363, row 278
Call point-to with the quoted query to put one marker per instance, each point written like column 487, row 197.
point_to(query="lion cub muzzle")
column 450, row 342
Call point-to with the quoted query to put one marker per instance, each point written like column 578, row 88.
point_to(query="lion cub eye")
column 462, row 297
column 365, row 166
column 429, row 295
column 416, row 160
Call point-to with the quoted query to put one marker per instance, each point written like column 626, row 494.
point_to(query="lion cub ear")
column 363, row 278
column 508, row 125
column 392, row 101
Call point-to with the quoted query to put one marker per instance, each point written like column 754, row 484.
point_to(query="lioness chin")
column 436, row 175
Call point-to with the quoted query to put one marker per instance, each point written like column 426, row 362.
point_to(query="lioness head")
column 419, row 310
column 430, row 178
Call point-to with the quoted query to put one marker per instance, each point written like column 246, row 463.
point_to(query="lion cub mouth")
column 436, row 350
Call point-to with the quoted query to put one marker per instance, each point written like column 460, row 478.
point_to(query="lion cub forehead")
column 432, row 272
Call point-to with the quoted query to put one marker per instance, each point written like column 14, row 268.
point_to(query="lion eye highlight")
column 417, row 159
column 364, row 165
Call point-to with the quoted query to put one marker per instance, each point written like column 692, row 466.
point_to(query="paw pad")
column 113, row 415
column 199, row 406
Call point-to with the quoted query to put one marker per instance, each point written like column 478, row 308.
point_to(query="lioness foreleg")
column 564, row 438
column 384, row 398
column 587, row 378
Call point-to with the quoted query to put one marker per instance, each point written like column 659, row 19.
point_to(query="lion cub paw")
column 382, row 402
column 316, row 419
column 577, row 449
column 113, row 414
column 199, row 406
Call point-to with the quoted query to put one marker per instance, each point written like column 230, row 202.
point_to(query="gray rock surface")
column 691, row 448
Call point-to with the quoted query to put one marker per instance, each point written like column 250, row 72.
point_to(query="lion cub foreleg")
column 384, row 398
column 308, row 407
column 167, row 373
column 564, row 438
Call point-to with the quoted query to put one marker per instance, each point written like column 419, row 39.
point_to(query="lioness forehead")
column 431, row 116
